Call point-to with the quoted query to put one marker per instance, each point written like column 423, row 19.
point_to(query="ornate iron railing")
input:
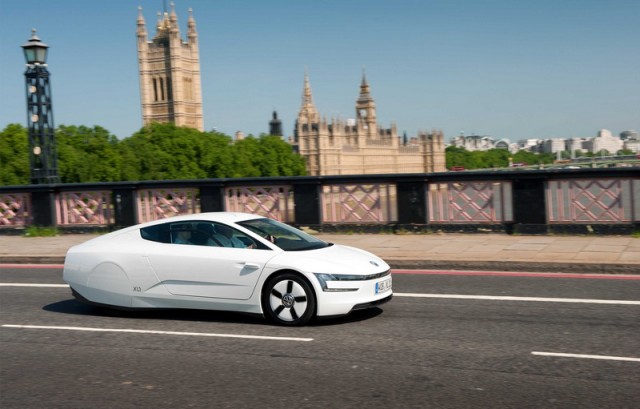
column 84, row 208
column 14, row 209
column 527, row 200
column 470, row 202
column 359, row 203
column 275, row 202
column 154, row 204
column 593, row 200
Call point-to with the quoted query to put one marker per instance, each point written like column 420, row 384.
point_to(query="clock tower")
column 170, row 89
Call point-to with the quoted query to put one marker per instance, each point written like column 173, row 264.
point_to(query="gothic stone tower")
column 360, row 145
column 170, row 72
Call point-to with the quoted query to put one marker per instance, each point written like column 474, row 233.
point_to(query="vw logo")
column 288, row 300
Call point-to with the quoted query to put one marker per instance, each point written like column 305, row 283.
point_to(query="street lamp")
column 42, row 143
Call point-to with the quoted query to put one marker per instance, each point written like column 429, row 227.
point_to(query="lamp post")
column 42, row 143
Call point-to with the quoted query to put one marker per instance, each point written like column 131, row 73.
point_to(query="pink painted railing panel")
column 14, row 209
column 370, row 203
column 593, row 201
column 84, row 208
column 275, row 202
column 155, row 204
column 470, row 202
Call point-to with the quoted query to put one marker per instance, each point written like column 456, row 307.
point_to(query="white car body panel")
column 122, row 269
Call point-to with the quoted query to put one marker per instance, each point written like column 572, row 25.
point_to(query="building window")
column 161, row 89
column 155, row 90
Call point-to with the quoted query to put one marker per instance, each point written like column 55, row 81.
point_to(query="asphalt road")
column 418, row 351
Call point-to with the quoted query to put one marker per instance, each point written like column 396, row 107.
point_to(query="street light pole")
column 42, row 143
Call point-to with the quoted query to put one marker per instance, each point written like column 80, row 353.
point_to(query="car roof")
column 222, row 217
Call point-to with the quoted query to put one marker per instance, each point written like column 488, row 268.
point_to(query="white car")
column 227, row 261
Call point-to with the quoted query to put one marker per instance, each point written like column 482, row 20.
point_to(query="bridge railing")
column 518, row 201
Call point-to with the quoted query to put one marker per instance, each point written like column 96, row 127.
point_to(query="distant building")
column 275, row 125
column 630, row 134
column 359, row 145
column 631, row 140
column 482, row 143
column 553, row 145
column 604, row 141
column 170, row 88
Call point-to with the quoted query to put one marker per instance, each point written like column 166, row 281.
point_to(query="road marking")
column 139, row 331
column 34, row 285
column 29, row 266
column 417, row 295
column 519, row 274
column 509, row 298
column 583, row 356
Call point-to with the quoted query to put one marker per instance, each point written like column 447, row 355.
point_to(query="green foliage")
column 37, row 231
column 87, row 154
column 493, row 158
column 14, row 156
column 155, row 152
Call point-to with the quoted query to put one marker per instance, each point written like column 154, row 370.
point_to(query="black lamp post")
column 42, row 143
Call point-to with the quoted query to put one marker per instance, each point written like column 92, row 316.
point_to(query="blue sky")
column 509, row 69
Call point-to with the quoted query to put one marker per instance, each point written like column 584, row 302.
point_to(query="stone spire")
column 366, row 108
column 191, row 27
column 308, row 109
column 142, row 27
column 365, row 94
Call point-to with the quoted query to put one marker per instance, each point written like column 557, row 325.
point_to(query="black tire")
column 288, row 299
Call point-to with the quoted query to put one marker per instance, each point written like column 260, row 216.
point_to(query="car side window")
column 229, row 237
column 200, row 233
column 159, row 233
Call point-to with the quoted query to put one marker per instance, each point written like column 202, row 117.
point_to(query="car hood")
column 334, row 259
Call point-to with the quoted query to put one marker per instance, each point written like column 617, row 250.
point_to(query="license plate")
column 382, row 286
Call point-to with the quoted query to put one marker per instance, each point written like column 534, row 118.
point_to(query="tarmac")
column 480, row 252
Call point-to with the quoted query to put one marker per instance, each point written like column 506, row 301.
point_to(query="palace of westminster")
column 170, row 90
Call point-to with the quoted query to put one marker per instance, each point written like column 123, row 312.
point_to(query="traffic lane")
column 555, row 320
column 31, row 274
column 68, row 375
column 612, row 287
column 472, row 330
column 618, row 287
column 448, row 358
column 131, row 372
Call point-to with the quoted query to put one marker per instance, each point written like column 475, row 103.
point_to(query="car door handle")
column 251, row 266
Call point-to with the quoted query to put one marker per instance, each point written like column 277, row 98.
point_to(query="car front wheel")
column 288, row 300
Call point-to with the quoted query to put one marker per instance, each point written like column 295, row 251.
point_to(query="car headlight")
column 323, row 278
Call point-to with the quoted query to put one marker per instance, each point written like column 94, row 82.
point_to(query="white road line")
column 139, row 331
column 509, row 298
column 583, row 356
column 34, row 285
column 420, row 295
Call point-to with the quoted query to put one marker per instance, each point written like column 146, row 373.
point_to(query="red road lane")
column 519, row 274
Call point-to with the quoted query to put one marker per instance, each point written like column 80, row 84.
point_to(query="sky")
column 505, row 68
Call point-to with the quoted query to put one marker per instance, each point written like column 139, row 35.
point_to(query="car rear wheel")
column 288, row 300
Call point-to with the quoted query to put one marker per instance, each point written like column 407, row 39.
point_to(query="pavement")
column 483, row 252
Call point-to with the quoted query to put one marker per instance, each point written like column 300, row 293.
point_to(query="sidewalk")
column 495, row 252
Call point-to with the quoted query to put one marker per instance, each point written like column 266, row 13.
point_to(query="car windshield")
column 282, row 235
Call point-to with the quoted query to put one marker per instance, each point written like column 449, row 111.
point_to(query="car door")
column 209, row 270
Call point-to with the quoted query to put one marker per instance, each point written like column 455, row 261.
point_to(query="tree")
column 14, row 156
column 87, row 154
column 156, row 152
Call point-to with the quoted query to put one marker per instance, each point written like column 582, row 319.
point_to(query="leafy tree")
column 14, row 156
column 87, row 154
column 247, row 158
column 278, row 159
column 493, row 158
column 155, row 152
